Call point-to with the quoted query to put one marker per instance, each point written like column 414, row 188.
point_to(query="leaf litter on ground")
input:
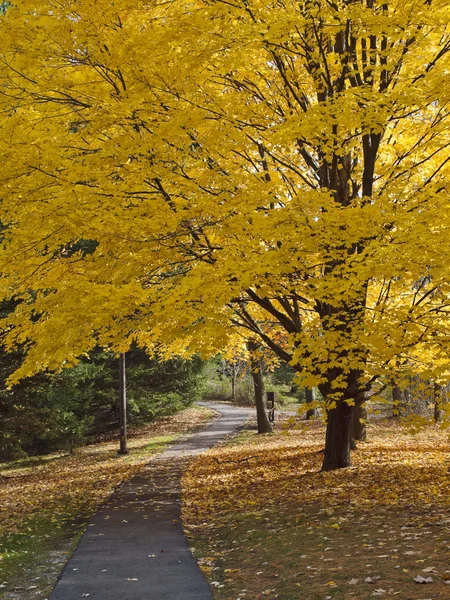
column 273, row 526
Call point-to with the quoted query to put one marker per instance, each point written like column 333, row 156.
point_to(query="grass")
column 265, row 523
column 46, row 501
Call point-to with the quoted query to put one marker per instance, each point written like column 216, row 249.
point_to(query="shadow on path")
column 134, row 548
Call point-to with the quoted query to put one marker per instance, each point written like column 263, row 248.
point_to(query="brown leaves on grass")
column 69, row 485
column 393, row 469
column 261, row 506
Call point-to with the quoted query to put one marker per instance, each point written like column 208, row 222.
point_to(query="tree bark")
column 438, row 412
column 310, row 397
column 359, row 433
column 398, row 400
column 338, row 437
column 262, row 417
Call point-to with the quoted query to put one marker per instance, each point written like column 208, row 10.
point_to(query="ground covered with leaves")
column 46, row 501
column 266, row 523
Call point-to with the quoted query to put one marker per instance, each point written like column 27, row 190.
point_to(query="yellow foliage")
column 174, row 169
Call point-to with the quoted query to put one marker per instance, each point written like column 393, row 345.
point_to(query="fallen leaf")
column 420, row 579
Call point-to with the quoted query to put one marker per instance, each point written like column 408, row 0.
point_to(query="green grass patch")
column 31, row 559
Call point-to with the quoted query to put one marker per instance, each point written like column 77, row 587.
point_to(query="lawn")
column 266, row 524
column 46, row 501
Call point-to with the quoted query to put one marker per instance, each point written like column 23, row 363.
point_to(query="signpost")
column 122, row 405
column 271, row 398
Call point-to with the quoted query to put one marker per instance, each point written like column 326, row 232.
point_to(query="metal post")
column 123, row 405
column 271, row 398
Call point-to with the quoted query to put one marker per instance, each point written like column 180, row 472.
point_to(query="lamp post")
column 122, row 405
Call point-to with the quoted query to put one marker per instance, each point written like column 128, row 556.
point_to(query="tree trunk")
column 262, row 417
column 338, row 437
column 438, row 412
column 359, row 433
column 310, row 397
column 233, row 383
column 398, row 400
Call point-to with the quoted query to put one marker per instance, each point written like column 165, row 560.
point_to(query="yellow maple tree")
column 171, row 163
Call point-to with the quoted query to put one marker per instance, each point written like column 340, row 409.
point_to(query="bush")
column 217, row 383
column 60, row 411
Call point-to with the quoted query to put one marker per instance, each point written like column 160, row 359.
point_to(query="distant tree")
column 232, row 368
column 257, row 371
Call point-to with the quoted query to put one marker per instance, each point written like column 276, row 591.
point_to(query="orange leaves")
column 261, row 505
column 394, row 469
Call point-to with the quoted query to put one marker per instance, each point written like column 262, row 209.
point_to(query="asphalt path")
column 134, row 548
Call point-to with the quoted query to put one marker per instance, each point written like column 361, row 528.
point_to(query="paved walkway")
column 134, row 548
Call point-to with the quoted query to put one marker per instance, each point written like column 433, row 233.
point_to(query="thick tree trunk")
column 338, row 437
column 310, row 397
column 359, row 418
column 262, row 417
column 438, row 412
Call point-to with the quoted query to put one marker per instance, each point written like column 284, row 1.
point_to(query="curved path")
column 134, row 548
